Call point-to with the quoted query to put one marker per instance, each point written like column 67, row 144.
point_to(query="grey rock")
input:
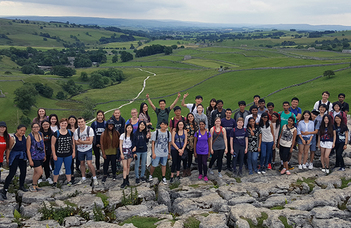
column 93, row 224
column 7, row 223
column 125, row 212
column 41, row 224
column 327, row 223
column 328, row 212
column 115, row 197
column 183, row 205
column 160, row 209
column 47, row 194
column 86, row 201
column 329, row 180
column 241, row 200
column 213, row 201
column 240, row 211
column 277, row 200
column 30, row 210
column 73, row 221
column 164, row 198
column 146, row 193
column 305, row 188
column 7, row 208
column 213, row 221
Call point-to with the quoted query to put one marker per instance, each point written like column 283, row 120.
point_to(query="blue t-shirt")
column 325, row 137
column 135, row 126
column 98, row 129
column 228, row 125
column 239, row 135
column 296, row 111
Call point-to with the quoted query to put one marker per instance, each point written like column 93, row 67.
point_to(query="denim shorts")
column 299, row 141
column 157, row 160
column 87, row 155
column 313, row 146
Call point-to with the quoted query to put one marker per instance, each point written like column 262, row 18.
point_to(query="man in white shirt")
column 192, row 107
column 325, row 97
column 255, row 115
column 83, row 137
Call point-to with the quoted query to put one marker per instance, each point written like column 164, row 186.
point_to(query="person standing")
column 179, row 141
column 212, row 106
column 267, row 144
column 325, row 97
column 326, row 141
column 202, row 149
column 120, row 124
column 191, row 127
column 173, row 122
column 127, row 152
column 295, row 109
column 54, row 122
column 254, row 114
column 304, row 141
column 16, row 157
column 238, row 145
column 286, row 143
column 342, row 136
column 41, row 116
column 4, row 142
column 192, row 107
column 134, row 121
column 219, row 112
column 83, row 137
column 144, row 115
column 98, row 127
column 242, row 112
column 140, row 140
column 254, row 144
column 344, row 105
column 72, row 126
column 200, row 116
column 47, row 133
column 337, row 111
column 261, row 106
column 228, row 124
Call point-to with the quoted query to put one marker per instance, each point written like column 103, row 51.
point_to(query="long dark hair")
column 261, row 120
column 210, row 108
column 343, row 126
column 277, row 123
column 103, row 114
column 177, row 128
column 49, row 130
column 187, row 118
column 329, row 127
column 146, row 113
column 125, row 131
column 7, row 138
column 38, row 117
column 76, row 123
column 57, row 120
column 106, row 142
column 248, row 122
column 145, row 129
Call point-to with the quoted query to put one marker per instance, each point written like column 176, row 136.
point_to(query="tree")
column 96, row 81
column 44, row 90
column 174, row 46
column 167, row 50
column 63, row 71
column 114, row 59
column 25, row 96
column 140, row 43
column 84, row 76
column 328, row 73
column 126, row 56
column 60, row 95
column 131, row 46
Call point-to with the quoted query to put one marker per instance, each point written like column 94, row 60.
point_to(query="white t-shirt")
column 127, row 143
column 83, row 136
column 190, row 106
column 55, row 128
column 316, row 105
column 248, row 117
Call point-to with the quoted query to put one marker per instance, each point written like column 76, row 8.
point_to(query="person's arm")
column 346, row 139
column 224, row 131
column 150, row 102
column 280, row 136
column 211, row 131
column 195, row 142
column 153, row 150
column 169, row 149
column 12, row 141
column 209, row 141
column 259, row 142
column 334, row 138
column 29, row 142
column 294, row 137
column 272, row 131
column 102, row 145
column 247, row 144
column 319, row 141
column 185, row 141
column 183, row 100
column 231, row 145
column 173, row 141
column 121, row 148
column 53, row 151
column 175, row 101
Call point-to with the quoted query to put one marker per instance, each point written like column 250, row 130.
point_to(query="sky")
column 314, row 12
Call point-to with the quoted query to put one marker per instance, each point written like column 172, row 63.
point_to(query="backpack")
column 208, row 134
column 243, row 127
column 192, row 108
column 172, row 120
column 69, row 132
column 328, row 105
column 167, row 135
column 88, row 129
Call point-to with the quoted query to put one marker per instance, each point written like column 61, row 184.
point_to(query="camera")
column 150, row 127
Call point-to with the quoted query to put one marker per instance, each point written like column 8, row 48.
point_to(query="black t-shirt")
column 341, row 136
column 47, row 141
column 344, row 107
column 63, row 144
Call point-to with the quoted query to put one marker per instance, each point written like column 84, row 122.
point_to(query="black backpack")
column 192, row 108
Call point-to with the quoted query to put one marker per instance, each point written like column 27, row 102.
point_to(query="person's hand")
column 31, row 163
column 44, row 159
column 122, row 157
column 104, row 156
column 208, row 155
column 333, row 145
column 148, row 135
column 135, row 156
column 98, row 145
column 345, row 146
column 245, row 151
column 303, row 141
column 147, row 96
column 225, row 151
column 154, row 156
column 212, row 151
column 195, row 155
column 186, row 95
column 54, row 157
column 134, row 149
column 169, row 156
column 181, row 151
column 232, row 151
column 73, row 155
column 273, row 146
column 7, row 159
column 179, row 94
column 259, row 149
column 291, row 149
column 308, row 142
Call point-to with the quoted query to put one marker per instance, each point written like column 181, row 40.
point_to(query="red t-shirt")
column 2, row 148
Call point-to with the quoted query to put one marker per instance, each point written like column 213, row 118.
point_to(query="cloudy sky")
column 314, row 12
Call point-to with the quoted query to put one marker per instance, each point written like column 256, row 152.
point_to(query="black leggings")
column 46, row 164
column 176, row 159
column 112, row 159
column 229, row 155
column 217, row 155
column 339, row 147
column 22, row 164
column 97, row 156
column 190, row 158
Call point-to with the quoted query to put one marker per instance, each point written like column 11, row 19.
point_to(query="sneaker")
column 205, row 179
column 177, row 178
column 263, row 171
column 23, row 189
column 171, row 180
column 150, row 178
column 270, row 166
column 82, row 181
column 300, row 166
column 341, row 169
column 327, row 171
column 250, row 172
column 40, row 180
column 32, row 189
column 210, row 171
column 307, row 164
column 304, row 166
column 114, row 178
column 290, row 167
column 54, row 185
column 310, row 166
column 200, row 177
column 137, row 181
column 3, row 194
column 283, row 171
column 49, row 180
column 323, row 170
column 143, row 179
column 104, row 179
column 220, row 175
column 259, row 172
column 95, row 182
column 164, row 181
column 69, row 183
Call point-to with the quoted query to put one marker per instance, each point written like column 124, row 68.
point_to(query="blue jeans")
column 266, row 153
column 141, row 158
column 252, row 161
column 67, row 161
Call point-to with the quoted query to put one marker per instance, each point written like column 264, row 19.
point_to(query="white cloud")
column 9, row 3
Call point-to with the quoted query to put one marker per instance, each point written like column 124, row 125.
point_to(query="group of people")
column 251, row 138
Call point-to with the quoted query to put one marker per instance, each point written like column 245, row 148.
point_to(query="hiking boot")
column 22, row 188
column 3, row 194
column 137, row 181
column 124, row 184
column 171, row 180
column 104, row 179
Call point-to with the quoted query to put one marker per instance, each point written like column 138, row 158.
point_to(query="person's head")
column 180, row 125
column 251, row 122
column 217, row 121
column 41, row 113
column 326, row 125
column 177, row 111
column 325, row 95
column 327, row 119
column 35, row 127
column 190, row 118
column 264, row 120
column 4, row 133
column 202, row 125
column 200, row 109
column 213, row 103
column 275, row 117
column 162, row 104
column 81, row 122
column 256, row 99
column 142, row 126
column 286, row 105
column 254, row 110
column 261, row 103
column 338, row 120
column 163, row 125
column 110, row 125
column 53, row 119
column 117, row 113
column 21, row 130
column 242, row 105
column 291, row 121
column 219, row 104
column 228, row 113
column 198, row 99
column 100, row 115
column 45, row 126
column 128, row 130
column 307, row 115
column 73, row 122
column 144, row 109
column 63, row 123
column 3, row 127
column 322, row 108
column 314, row 114
column 240, row 122
column 337, row 106
column 134, row 113
column 341, row 97
column 270, row 106
column 294, row 102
